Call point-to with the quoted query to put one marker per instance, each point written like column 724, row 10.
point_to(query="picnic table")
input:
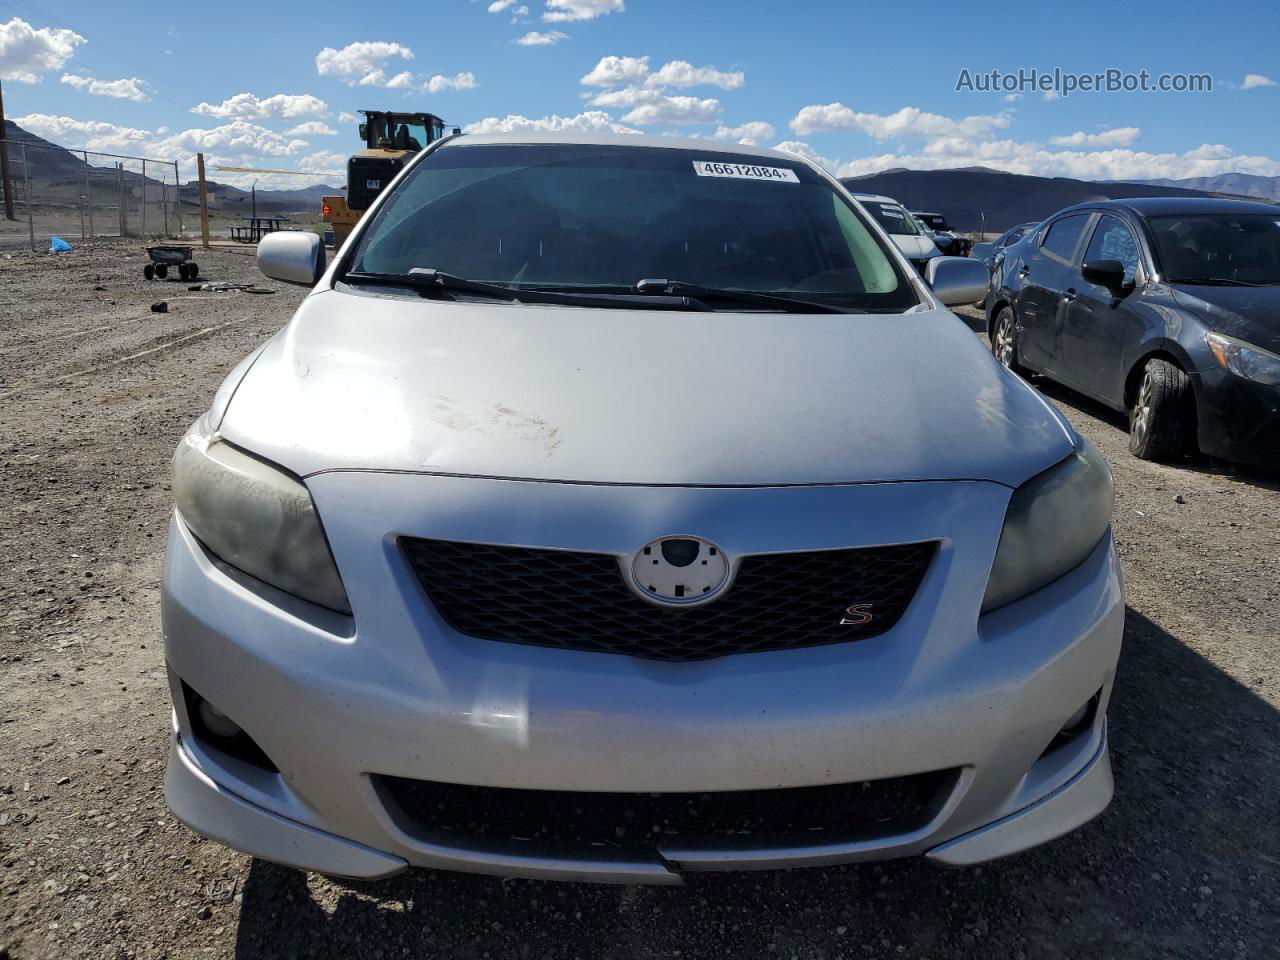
column 256, row 228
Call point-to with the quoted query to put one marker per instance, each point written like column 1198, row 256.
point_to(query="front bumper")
column 395, row 692
column 1237, row 419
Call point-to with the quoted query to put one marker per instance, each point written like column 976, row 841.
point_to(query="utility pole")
column 204, row 203
column 6, row 182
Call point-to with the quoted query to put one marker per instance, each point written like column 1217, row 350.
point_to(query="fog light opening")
column 219, row 732
column 1079, row 722
column 217, row 722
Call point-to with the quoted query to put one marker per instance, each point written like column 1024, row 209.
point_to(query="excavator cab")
column 390, row 141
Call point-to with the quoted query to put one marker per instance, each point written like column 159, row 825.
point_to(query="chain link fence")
column 77, row 194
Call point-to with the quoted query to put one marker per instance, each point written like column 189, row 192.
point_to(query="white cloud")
column 535, row 38
column 588, row 122
column 681, row 73
column 1118, row 137
column 664, row 110
column 561, row 10
column 26, row 53
column 907, row 122
column 239, row 137
column 401, row 81
column 1012, row 97
column 461, row 81
column 346, row 116
column 246, row 106
column 89, row 134
column 1256, row 80
column 1035, row 160
column 614, row 71
column 362, row 63
column 499, row 5
column 520, row 11
column 1050, row 95
column 124, row 89
column 749, row 133
column 312, row 128
column 800, row 148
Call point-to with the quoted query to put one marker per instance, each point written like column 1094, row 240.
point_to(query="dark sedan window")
column 892, row 217
column 1217, row 247
column 1013, row 236
column 1112, row 240
column 1063, row 236
column 570, row 216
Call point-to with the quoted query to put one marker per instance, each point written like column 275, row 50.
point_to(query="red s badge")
column 857, row 614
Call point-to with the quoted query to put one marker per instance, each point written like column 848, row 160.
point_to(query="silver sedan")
column 620, row 507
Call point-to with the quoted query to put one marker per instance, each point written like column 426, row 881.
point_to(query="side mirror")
column 957, row 280
column 292, row 256
column 1105, row 273
column 364, row 131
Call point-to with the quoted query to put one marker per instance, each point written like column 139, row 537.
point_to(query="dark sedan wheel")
column 1160, row 419
column 1004, row 340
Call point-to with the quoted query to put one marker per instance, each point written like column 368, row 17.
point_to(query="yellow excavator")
column 390, row 139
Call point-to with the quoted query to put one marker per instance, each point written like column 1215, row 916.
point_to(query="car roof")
column 610, row 139
column 1166, row 206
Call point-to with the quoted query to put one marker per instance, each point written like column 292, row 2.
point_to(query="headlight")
column 1054, row 521
column 255, row 517
column 1252, row 363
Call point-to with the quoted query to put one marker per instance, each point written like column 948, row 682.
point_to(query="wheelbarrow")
column 164, row 257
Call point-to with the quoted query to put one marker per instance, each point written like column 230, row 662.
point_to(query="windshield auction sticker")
column 743, row 171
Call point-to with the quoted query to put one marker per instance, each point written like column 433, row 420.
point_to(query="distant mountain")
column 48, row 161
column 965, row 196
column 1238, row 184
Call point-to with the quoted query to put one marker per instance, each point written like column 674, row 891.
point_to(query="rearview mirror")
column 292, row 256
column 957, row 280
column 1105, row 273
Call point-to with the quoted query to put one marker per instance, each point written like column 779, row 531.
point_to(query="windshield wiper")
column 429, row 282
column 650, row 287
column 1219, row 282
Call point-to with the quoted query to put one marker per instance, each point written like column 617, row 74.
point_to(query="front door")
column 1097, row 325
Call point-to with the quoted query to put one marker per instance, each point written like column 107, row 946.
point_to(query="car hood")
column 915, row 247
column 386, row 382
column 1251, row 314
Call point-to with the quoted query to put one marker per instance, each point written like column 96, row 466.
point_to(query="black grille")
column 578, row 601
column 559, row 819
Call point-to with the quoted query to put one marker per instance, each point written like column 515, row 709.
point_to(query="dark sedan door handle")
column 1069, row 294
column 1024, row 272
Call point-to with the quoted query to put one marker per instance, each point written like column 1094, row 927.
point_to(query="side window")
column 1063, row 235
column 1112, row 240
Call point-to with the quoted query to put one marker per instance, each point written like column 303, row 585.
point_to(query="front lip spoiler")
column 1086, row 794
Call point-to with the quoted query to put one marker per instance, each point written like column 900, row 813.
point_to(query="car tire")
column 1004, row 341
column 1160, row 420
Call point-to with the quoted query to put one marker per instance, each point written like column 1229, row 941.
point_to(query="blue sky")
column 858, row 86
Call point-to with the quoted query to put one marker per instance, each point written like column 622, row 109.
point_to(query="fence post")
column 164, row 202
column 204, row 203
column 88, row 189
column 120, row 208
column 144, row 198
column 26, row 195
column 177, row 192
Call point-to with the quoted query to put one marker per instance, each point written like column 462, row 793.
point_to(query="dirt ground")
column 94, row 392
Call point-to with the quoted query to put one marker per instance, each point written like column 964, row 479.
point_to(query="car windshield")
column 934, row 221
column 892, row 217
column 1218, row 247
column 602, row 218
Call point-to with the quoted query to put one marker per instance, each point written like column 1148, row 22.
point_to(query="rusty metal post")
column 6, row 181
column 88, row 189
column 204, row 203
